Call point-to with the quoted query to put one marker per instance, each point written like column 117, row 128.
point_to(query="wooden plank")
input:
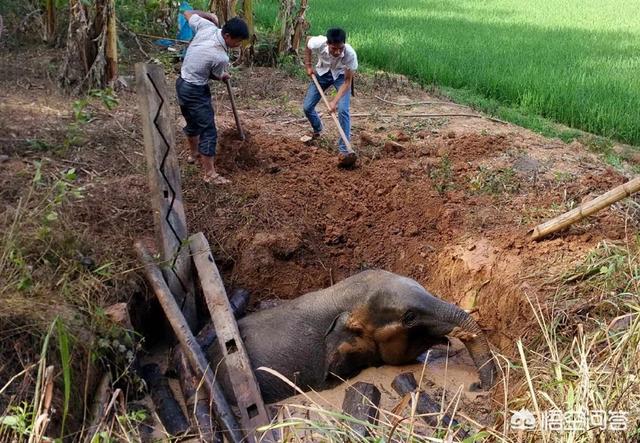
column 164, row 183
column 586, row 209
column 190, row 346
column 361, row 401
column 253, row 413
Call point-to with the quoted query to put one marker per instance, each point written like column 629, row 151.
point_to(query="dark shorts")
column 195, row 105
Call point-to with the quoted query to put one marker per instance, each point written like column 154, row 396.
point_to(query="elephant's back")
column 287, row 341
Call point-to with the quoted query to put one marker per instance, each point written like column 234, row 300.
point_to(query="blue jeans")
column 195, row 105
column 313, row 97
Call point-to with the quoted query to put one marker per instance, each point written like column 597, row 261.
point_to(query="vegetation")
column 587, row 355
column 573, row 62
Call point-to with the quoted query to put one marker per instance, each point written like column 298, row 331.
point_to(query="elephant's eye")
column 409, row 318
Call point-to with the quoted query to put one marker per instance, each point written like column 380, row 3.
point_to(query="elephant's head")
column 396, row 322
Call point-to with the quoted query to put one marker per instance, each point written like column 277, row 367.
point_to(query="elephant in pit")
column 372, row 318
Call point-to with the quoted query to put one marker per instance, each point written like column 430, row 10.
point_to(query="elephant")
column 372, row 318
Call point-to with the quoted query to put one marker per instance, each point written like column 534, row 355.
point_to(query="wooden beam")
column 165, row 187
column 253, row 413
column 586, row 209
column 190, row 346
column 361, row 401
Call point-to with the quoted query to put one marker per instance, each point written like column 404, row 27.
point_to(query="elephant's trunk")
column 467, row 330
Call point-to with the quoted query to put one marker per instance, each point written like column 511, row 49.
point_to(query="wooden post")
column 426, row 406
column 361, row 401
column 164, row 183
column 245, row 386
column 190, row 346
column 586, row 209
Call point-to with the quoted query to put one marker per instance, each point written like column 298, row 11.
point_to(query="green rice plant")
column 573, row 62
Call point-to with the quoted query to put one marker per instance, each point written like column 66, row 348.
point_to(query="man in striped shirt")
column 206, row 58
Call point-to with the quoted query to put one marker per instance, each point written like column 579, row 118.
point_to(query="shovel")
column 235, row 111
column 335, row 119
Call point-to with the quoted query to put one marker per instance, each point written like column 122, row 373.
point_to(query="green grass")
column 574, row 62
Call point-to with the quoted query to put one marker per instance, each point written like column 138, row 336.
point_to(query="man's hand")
column 225, row 77
column 333, row 106
column 310, row 70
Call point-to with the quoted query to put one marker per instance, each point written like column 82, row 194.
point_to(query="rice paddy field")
column 576, row 62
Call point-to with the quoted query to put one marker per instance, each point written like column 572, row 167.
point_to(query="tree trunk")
column 286, row 25
column 50, row 21
column 111, row 48
column 248, row 47
column 91, row 51
column 224, row 9
column 300, row 28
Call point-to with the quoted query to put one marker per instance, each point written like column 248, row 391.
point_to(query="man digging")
column 337, row 61
column 206, row 58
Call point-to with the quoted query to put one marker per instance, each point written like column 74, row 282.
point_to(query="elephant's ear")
column 346, row 351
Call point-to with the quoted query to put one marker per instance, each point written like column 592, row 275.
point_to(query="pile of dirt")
column 449, row 207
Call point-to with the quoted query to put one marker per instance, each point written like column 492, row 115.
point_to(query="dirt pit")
column 446, row 201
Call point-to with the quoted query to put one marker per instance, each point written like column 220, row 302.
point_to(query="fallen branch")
column 414, row 103
column 189, row 345
column 158, row 37
column 135, row 38
column 375, row 114
column 99, row 405
column 586, row 209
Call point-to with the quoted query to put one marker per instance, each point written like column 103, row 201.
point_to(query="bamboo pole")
column 586, row 209
column 189, row 344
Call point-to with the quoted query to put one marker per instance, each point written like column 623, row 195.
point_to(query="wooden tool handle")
column 335, row 119
column 233, row 108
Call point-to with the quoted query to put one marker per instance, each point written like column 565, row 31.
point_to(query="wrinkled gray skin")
column 370, row 319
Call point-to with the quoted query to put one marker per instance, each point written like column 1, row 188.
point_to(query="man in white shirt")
column 337, row 61
column 206, row 58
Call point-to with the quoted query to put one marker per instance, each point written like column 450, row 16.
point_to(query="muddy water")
column 442, row 373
